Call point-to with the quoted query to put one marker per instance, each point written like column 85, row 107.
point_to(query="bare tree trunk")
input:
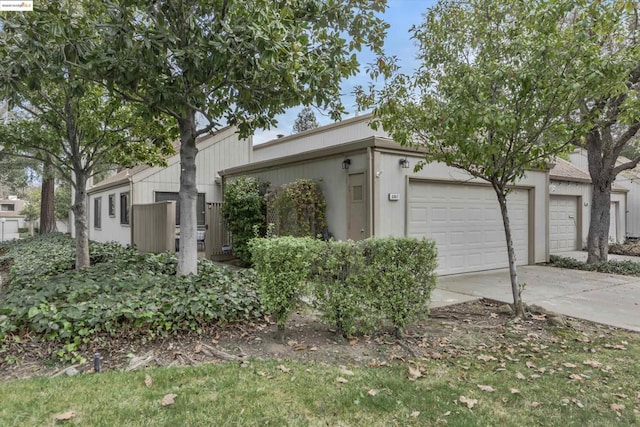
column 518, row 306
column 79, row 209
column 188, row 257
column 598, row 240
column 47, row 199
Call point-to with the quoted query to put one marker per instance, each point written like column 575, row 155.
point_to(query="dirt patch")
column 447, row 333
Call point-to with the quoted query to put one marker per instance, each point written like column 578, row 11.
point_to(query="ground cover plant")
column 123, row 293
column 628, row 268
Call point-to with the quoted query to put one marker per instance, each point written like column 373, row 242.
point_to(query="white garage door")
column 563, row 223
column 466, row 224
column 9, row 230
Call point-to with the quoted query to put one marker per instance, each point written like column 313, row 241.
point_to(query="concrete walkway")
column 603, row 298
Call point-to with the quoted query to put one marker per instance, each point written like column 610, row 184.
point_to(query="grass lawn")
column 577, row 381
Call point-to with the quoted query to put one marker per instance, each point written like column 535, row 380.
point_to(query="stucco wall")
column 390, row 215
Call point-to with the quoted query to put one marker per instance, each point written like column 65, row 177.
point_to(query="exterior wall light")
column 346, row 163
column 404, row 163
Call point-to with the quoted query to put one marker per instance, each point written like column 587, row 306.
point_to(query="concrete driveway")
column 604, row 298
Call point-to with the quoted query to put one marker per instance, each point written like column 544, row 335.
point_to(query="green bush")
column 340, row 294
column 400, row 275
column 244, row 212
column 283, row 266
column 356, row 285
column 297, row 209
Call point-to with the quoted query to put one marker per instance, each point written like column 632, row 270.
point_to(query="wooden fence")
column 217, row 237
column 154, row 227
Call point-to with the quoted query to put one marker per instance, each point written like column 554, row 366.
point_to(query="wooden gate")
column 217, row 238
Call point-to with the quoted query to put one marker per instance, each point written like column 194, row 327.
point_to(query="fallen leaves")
column 468, row 401
column 168, row 399
column 520, row 376
column 592, row 363
column 373, row 392
column 486, row 388
column 64, row 416
column 514, row 391
column 283, row 368
column 414, row 373
column 148, row 381
column 486, row 357
column 342, row 380
column 617, row 407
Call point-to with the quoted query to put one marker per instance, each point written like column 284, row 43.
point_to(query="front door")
column 357, row 207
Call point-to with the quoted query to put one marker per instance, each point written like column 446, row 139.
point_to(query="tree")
column 234, row 62
column 603, row 39
column 306, row 120
column 62, row 114
column 488, row 96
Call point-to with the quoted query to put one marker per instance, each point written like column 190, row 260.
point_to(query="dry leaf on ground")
column 592, row 363
column 468, row 401
column 569, row 365
column 414, row 373
column 64, row 416
column 514, row 391
column 415, row 414
column 283, row 368
column 486, row 357
column 342, row 380
column 345, row 371
column 148, row 380
column 535, row 404
column 372, row 392
column 486, row 388
column 520, row 376
column 617, row 406
column 169, row 399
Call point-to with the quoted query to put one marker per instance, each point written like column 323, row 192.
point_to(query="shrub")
column 629, row 268
column 283, row 266
column 244, row 211
column 400, row 275
column 339, row 292
column 297, row 209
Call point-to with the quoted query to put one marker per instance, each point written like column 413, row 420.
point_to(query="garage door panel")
column 563, row 226
column 466, row 224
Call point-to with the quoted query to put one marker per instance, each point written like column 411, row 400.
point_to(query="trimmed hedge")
column 357, row 286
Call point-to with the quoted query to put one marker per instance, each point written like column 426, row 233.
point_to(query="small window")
column 97, row 212
column 7, row 207
column 112, row 205
column 124, row 208
column 356, row 193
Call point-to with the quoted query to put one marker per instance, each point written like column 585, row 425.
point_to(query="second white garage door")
column 466, row 224
column 563, row 225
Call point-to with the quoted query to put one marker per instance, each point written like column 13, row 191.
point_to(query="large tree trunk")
column 79, row 209
column 598, row 240
column 518, row 306
column 47, row 200
column 188, row 257
column 601, row 163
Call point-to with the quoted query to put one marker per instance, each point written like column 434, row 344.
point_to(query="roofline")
column 125, row 180
column 319, row 129
column 569, row 179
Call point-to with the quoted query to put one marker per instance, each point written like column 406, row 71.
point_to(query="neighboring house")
column 11, row 218
column 371, row 189
column 109, row 201
column 625, row 213
column 570, row 208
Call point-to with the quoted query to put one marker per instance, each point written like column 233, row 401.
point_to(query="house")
column 110, row 201
column 627, row 217
column 371, row 189
column 570, row 194
column 11, row 218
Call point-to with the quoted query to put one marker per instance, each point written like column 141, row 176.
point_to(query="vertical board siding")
column 154, row 227
column 217, row 234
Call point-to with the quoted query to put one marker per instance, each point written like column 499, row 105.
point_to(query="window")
column 7, row 207
column 124, row 208
column 112, row 205
column 162, row 196
column 97, row 212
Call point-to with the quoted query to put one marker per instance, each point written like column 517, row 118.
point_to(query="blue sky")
column 401, row 15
